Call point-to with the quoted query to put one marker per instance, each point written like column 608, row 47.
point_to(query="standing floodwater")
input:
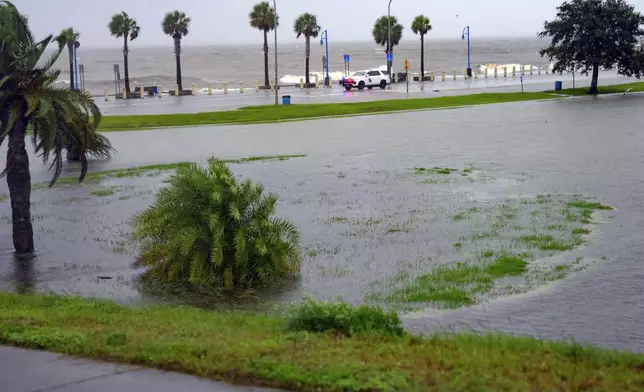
column 366, row 210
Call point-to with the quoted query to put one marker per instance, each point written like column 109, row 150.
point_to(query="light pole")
column 325, row 38
column 277, row 83
column 389, row 63
column 466, row 30
column 75, row 87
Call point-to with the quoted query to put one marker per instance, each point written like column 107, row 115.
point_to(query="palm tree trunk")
column 422, row 58
column 70, row 48
column 308, row 56
column 266, row 81
column 593, row 83
column 19, row 181
column 125, row 67
column 177, row 55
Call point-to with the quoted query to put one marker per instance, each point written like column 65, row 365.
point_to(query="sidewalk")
column 36, row 371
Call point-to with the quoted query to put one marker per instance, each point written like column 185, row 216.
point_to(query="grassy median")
column 610, row 89
column 273, row 113
column 250, row 348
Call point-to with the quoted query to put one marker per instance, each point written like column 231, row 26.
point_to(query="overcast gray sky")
column 226, row 21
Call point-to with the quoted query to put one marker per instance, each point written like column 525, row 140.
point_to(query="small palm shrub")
column 209, row 230
column 316, row 316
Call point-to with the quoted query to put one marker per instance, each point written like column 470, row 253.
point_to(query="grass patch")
column 263, row 158
column 434, row 170
column 458, row 245
column 259, row 349
column 275, row 113
column 611, row 89
column 97, row 177
column 102, row 192
column 548, row 242
column 580, row 231
column 341, row 318
column 487, row 253
column 456, row 285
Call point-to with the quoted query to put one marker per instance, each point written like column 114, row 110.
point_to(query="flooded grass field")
column 402, row 239
column 522, row 217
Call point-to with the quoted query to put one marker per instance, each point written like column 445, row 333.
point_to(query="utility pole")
column 277, row 82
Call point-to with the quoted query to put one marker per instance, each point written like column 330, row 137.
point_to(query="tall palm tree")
column 175, row 24
column 122, row 25
column 69, row 38
column 381, row 34
column 29, row 100
column 421, row 25
column 307, row 25
column 264, row 18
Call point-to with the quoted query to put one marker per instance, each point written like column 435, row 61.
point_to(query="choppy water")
column 359, row 169
column 226, row 64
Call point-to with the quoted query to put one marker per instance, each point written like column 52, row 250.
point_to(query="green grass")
column 102, row 192
column 456, row 285
column 610, row 89
column 258, row 349
column 272, row 113
column 434, row 170
column 549, row 242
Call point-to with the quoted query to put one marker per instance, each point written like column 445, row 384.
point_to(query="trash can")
column 155, row 90
column 558, row 85
column 286, row 99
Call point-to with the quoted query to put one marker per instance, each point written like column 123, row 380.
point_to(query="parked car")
column 368, row 78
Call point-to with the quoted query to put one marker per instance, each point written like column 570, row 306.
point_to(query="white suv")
column 370, row 78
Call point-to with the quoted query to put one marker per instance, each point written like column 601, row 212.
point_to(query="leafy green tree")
column 589, row 34
column 208, row 230
column 381, row 34
column 307, row 25
column 122, row 25
column 421, row 26
column 175, row 24
column 69, row 38
column 264, row 18
column 29, row 100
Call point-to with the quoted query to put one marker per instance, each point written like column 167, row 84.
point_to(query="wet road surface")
column 359, row 168
column 233, row 100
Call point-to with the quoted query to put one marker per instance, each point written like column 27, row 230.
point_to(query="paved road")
column 233, row 100
column 36, row 371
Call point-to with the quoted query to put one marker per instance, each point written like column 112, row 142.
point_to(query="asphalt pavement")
column 37, row 371
column 218, row 101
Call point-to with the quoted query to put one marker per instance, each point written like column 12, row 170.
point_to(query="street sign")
column 346, row 58
column 406, row 65
column 389, row 58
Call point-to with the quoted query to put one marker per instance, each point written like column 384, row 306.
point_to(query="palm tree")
column 209, row 230
column 307, row 25
column 175, row 24
column 122, row 25
column 69, row 38
column 29, row 101
column 421, row 25
column 381, row 34
column 263, row 18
